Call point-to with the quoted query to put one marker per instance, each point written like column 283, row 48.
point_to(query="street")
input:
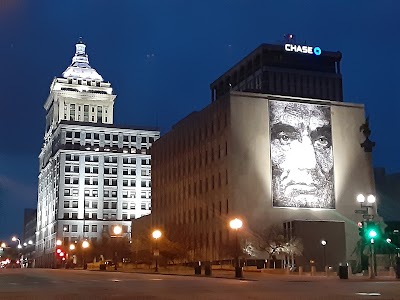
column 79, row 284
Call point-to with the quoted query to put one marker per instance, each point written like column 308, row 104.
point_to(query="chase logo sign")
column 303, row 49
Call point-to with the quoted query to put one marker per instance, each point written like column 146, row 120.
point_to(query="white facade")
column 93, row 175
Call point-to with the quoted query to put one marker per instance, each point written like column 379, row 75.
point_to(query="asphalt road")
column 79, row 284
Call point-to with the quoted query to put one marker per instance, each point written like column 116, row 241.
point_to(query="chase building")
column 93, row 175
column 276, row 146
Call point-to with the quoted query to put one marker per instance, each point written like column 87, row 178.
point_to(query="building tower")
column 93, row 175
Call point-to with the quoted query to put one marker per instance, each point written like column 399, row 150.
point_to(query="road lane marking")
column 368, row 294
column 156, row 279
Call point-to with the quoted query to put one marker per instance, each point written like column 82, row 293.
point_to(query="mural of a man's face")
column 301, row 155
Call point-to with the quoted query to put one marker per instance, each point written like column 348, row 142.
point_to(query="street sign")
column 361, row 211
column 368, row 216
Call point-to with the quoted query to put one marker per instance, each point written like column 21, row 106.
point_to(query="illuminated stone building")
column 223, row 162
column 93, row 175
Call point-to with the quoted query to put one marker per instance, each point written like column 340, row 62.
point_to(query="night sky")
column 160, row 57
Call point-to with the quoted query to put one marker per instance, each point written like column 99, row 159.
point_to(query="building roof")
column 80, row 68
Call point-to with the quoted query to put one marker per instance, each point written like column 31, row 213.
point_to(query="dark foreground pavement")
column 79, row 284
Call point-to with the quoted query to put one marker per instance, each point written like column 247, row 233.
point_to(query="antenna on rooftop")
column 289, row 38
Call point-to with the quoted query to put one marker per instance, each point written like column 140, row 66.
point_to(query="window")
column 74, row 216
column 105, row 228
column 106, row 205
column 77, row 135
column 94, row 228
column 94, row 204
column 66, row 204
column 86, row 228
column 143, row 206
column 74, row 204
column 124, row 217
column 132, row 206
column 67, row 192
column 113, row 205
column 115, row 138
column 66, row 228
column 88, row 136
column 66, row 216
column 124, row 205
column 94, row 216
column 74, row 228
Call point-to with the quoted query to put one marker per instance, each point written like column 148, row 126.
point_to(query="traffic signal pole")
column 372, row 250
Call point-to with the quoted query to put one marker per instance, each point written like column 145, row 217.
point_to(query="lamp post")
column 117, row 230
column 156, row 235
column 85, row 245
column 14, row 239
column 323, row 243
column 367, row 203
column 236, row 224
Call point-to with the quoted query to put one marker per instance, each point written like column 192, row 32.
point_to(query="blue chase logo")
column 303, row 49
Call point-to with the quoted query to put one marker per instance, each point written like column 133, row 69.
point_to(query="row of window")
column 94, row 216
column 108, row 193
column 110, row 137
column 106, row 205
column 107, row 159
column 197, row 214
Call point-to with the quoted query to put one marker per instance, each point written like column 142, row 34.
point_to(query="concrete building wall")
column 250, row 166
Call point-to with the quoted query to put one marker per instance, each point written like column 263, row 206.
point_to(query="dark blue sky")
column 161, row 56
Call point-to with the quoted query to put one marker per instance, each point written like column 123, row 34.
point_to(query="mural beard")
column 292, row 193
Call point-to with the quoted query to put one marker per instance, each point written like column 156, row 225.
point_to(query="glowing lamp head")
column 58, row 242
column 388, row 240
column 371, row 199
column 19, row 246
column 25, row 244
column 156, row 234
column 85, row 244
column 117, row 230
column 58, row 250
column 236, row 224
column 3, row 245
column 30, row 242
column 72, row 247
column 14, row 239
column 361, row 198
column 323, row 242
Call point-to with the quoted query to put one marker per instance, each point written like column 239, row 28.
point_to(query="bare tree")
column 294, row 247
column 271, row 241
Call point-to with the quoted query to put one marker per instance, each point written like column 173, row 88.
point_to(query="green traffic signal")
column 372, row 233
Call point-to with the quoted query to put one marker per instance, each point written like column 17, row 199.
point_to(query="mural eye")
column 322, row 141
column 283, row 138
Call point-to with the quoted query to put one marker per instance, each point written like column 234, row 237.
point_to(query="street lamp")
column 368, row 202
column 156, row 235
column 14, row 239
column 323, row 243
column 117, row 230
column 85, row 244
column 236, row 224
column 3, row 245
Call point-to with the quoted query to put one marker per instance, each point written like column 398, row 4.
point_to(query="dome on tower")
column 80, row 68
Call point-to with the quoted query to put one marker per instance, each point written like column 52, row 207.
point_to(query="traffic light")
column 361, row 229
column 60, row 253
column 372, row 231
